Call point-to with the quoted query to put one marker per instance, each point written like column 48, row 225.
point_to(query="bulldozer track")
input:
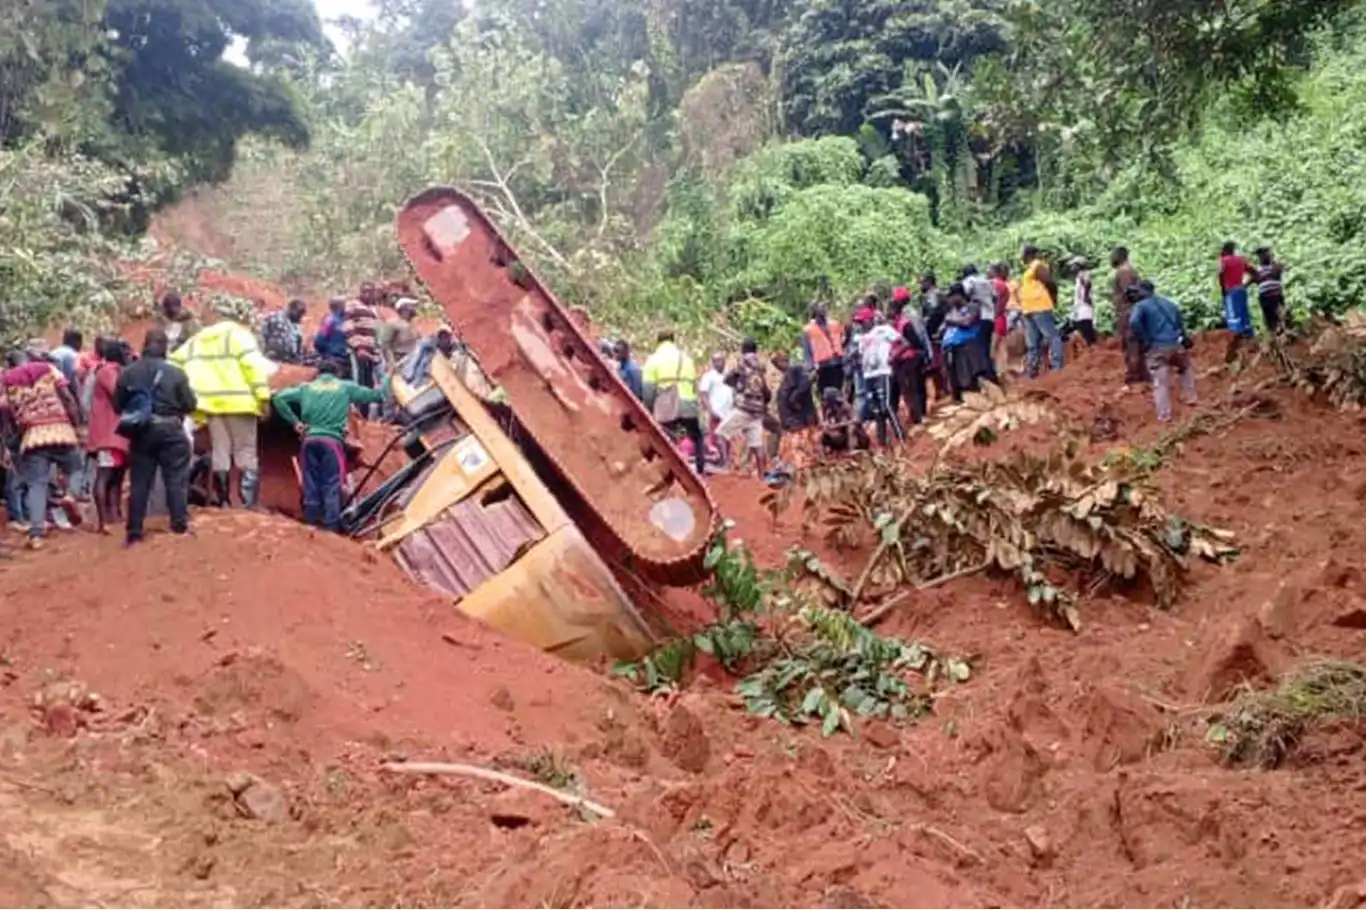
column 632, row 492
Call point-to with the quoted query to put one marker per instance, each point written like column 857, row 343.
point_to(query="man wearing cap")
column 230, row 378
column 399, row 338
column 420, row 366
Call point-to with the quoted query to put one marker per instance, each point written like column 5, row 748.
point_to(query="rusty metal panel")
column 468, row 544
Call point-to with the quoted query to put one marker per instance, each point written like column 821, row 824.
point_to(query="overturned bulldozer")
column 538, row 512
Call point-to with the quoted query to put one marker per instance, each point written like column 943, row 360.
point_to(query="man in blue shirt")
column 628, row 369
column 1157, row 326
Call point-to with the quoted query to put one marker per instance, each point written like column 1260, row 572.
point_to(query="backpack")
column 668, row 405
column 137, row 412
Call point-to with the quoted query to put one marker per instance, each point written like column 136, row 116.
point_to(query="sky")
column 327, row 10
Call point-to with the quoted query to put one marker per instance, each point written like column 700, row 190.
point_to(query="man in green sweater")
column 319, row 410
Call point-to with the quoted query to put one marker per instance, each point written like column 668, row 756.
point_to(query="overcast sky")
column 332, row 9
column 327, row 10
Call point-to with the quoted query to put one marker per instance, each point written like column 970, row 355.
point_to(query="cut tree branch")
column 456, row 770
column 605, row 171
column 514, row 208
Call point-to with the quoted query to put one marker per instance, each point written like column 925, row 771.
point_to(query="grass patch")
column 1263, row 728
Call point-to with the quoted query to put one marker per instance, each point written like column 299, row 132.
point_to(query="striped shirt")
column 1268, row 278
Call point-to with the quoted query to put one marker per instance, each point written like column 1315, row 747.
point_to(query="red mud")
column 1072, row 770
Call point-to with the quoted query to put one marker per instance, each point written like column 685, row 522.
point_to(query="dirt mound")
column 302, row 635
column 1072, row 770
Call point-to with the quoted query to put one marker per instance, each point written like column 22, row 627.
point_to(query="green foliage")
column 799, row 662
column 1262, row 729
column 840, row 670
column 55, row 263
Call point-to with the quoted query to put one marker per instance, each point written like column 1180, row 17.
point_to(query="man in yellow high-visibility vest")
column 1038, row 295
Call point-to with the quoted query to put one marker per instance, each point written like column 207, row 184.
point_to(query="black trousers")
column 1087, row 329
column 161, row 446
column 1271, row 312
column 910, row 383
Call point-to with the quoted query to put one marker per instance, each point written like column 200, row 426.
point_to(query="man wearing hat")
column 230, row 378
column 399, row 338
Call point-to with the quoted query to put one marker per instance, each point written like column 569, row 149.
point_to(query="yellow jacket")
column 669, row 365
column 1034, row 296
column 226, row 369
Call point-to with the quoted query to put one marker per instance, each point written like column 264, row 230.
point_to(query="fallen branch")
column 457, row 770
column 944, row 838
column 891, row 603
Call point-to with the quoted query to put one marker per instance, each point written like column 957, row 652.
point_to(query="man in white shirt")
column 717, row 400
column 982, row 293
column 875, row 358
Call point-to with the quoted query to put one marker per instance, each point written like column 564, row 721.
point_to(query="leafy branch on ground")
column 1262, row 729
column 798, row 660
column 1333, row 368
column 1051, row 520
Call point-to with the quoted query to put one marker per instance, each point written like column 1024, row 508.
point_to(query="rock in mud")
column 1243, row 655
column 1041, row 849
column 254, row 798
column 501, row 699
column 685, row 741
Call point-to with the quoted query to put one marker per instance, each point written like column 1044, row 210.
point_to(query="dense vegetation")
column 670, row 160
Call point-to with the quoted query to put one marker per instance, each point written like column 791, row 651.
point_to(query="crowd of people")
column 899, row 357
column 77, row 422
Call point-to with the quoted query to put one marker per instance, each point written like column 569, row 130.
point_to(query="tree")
column 1092, row 84
column 838, row 55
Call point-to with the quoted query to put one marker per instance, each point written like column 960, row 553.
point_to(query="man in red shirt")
column 37, row 401
column 1233, row 276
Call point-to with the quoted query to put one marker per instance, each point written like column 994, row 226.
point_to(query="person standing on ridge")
column 230, row 378
column 1126, row 276
column 627, row 368
column 823, row 349
column 966, row 362
column 1083, row 306
column 999, row 274
column 1158, row 325
column 1234, row 274
column 1270, row 290
column 318, row 411
column 751, row 404
column 875, row 359
column 1038, row 296
column 398, row 339
column 177, row 321
column 110, row 450
column 669, row 379
column 716, row 399
column 38, row 406
column 330, row 340
column 982, row 294
column 360, row 322
column 161, row 443
column 282, row 340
